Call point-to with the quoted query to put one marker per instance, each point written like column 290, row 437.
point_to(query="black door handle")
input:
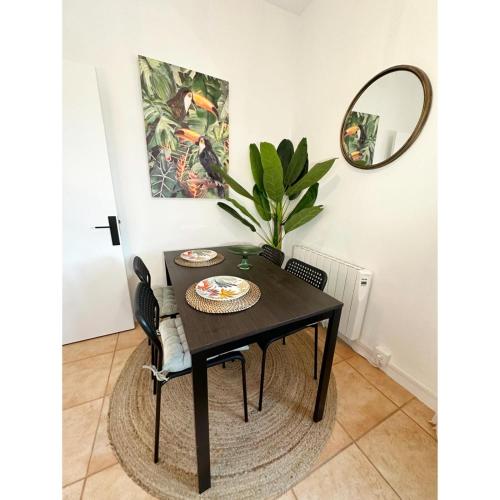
column 113, row 229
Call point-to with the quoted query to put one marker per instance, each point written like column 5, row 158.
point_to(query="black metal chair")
column 275, row 255
column 315, row 277
column 146, row 310
column 164, row 295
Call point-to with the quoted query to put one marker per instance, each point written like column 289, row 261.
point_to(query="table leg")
column 201, row 428
column 326, row 364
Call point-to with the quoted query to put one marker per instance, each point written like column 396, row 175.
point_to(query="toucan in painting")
column 208, row 159
column 357, row 132
column 185, row 98
column 180, row 103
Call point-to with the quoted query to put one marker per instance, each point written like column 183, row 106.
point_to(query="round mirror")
column 386, row 117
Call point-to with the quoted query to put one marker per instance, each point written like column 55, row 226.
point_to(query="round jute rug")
column 259, row 459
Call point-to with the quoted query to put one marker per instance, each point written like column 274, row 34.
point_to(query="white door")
column 96, row 299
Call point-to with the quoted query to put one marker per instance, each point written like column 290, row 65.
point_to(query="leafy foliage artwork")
column 187, row 130
column 360, row 135
column 281, row 174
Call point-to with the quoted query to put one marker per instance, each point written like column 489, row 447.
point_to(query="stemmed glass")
column 245, row 251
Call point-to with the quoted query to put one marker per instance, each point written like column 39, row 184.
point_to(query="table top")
column 285, row 299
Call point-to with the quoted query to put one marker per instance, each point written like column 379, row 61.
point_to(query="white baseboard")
column 419, row 390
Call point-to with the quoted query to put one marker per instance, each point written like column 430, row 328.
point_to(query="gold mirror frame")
column 426, row 85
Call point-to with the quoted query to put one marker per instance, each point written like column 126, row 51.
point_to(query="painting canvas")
column 187, row 130
column 360, row 135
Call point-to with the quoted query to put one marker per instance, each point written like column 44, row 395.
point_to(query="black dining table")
column 286, row 305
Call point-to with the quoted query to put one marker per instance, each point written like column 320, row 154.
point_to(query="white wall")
column 383, row 219
column 246, row 43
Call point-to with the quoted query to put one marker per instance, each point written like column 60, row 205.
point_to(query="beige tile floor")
column 382, row 445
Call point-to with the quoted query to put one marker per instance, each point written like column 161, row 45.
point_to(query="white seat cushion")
column 166, row 300
column 176, row 355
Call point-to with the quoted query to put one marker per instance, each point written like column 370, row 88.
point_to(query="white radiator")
column 346, row 282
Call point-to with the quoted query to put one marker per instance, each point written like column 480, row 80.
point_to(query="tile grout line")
column 376, row 388
column 409, row 416
column 379, row 390
column 72, row 483
column 376, row 425
column 85, row 402
column 317, row 467
column 106, row 468
column 90, row 475
column 98, row 422
column 100, row 354
column 376, row 468
column 87, row 357
column 372, row 384
column 333, row 456
column 400, row 407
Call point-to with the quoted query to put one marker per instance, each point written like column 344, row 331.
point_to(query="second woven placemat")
column 222, row 307
column 186, row 263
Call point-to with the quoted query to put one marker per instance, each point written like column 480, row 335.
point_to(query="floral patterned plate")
column 222, row 288
column 198, row 255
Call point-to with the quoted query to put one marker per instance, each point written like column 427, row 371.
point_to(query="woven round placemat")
column 259, row 459
column 186, row 263
column 221, row 307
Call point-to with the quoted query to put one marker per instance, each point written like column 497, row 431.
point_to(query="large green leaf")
column 300, row 218
column 163, row 132
column 296, row 163
column 236, row 215
column 261, row 203
column 304, row 172
column 273, row 172
column 199, row 85
column 146, row 75
column 163, row 181
column 285, row 152
column 232, row 183
column 307, row 200
column 244, row 210
column 256, row 165
column 313, row 176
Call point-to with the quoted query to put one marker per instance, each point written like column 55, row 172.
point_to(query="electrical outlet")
column 382, row 356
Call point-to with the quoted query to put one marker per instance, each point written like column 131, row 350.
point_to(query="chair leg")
column 223, row 365
column 153, row 362
column 315, row 351
column 262, row 374
column 284, row 341
column 244, row 382
column 157, row 420
column 152, row 358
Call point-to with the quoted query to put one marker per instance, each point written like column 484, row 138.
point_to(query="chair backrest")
column 273, row 254
column 141, row 270
column 310, row 274
column 147, row 314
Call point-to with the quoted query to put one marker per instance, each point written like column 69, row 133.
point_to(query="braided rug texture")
column 256, row 460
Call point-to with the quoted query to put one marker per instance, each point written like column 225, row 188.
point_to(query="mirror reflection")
column 385, row 117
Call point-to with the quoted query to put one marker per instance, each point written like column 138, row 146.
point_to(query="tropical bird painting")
column 360, row 136
column 186, row 122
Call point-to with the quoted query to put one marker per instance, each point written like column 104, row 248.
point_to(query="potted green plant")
column 280, row 176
